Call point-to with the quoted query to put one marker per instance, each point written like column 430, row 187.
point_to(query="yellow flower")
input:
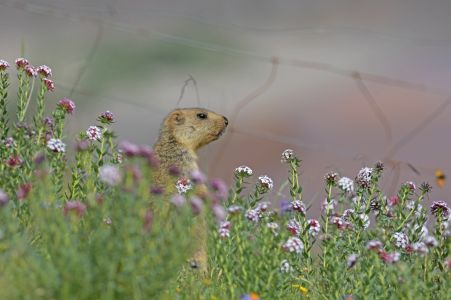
column 302, row 289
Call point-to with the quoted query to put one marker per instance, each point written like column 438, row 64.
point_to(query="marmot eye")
column 202, row 116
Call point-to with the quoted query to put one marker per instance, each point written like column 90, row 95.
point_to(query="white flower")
column 314, row 227
column 420, row 248
column 364, row 176
column 352, row 259
column 183, row 185
column 298, row 205
column 401, row 239
column 365, row 220
column 94, row 133
column 294, row 227
column 346, row 184
column 273, row 226
column 430, row 241
column 285, row 266
column 111, row 175
column 243, row 171
column 266, row 182
column 56, row 145
column 287, row 155
column 328, row 206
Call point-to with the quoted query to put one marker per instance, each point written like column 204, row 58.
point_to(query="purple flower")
column 157, row 190
column 440, row 208
column 174, row 171
column 411, row 185
column 198, row 177
column 298, row 205
column 76, row 206
column 220, row 188
column 197, row 205
column 82, row 145
column 219, row 212
column 106, row 117
column 94, row 133
column 3, row 65
column 178, row 200
column 44, row 71
column 129, row 149
column 67, row 105
column 23, row 191
column 253, row 215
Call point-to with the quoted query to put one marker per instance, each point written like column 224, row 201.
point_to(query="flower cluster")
column 287, row 156
column 243, row 171
column 67, row 105
column 265, row 182
column 346, row 184
column 363, row 178
column 94, row 133
column 293, row 244
column 183, row 185
column 56, row 145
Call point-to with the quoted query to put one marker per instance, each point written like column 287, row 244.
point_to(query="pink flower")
column 197, row 205
column 49, row 84
column 389, row 258
column 21, row 63
column 44, row 71
column 76, row 206
column 294, row 227
column 67, row 105
column 23, row 191
column 30, row 71
column 106, row 117
column 14, row 161
column 393, row 200
column 129, row 149
column 198, row 177
column 293, row 244
column 110, row 175
column 374, row 245
column 220, row 188
column 178, row 200
column 314, row 227
column 3, row 65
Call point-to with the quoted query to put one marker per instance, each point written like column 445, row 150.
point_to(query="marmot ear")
column 177, row 118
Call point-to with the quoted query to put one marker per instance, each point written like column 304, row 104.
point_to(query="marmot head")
column 195, row 127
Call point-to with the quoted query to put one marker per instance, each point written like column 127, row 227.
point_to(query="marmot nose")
column 226, row 121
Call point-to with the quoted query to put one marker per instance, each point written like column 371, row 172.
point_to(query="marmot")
column 182, row 133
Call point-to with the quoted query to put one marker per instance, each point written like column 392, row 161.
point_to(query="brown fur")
column 181, row 135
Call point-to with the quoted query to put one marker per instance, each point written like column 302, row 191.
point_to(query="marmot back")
column 182, row 133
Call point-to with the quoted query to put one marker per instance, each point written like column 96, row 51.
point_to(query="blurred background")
column 343, row 83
